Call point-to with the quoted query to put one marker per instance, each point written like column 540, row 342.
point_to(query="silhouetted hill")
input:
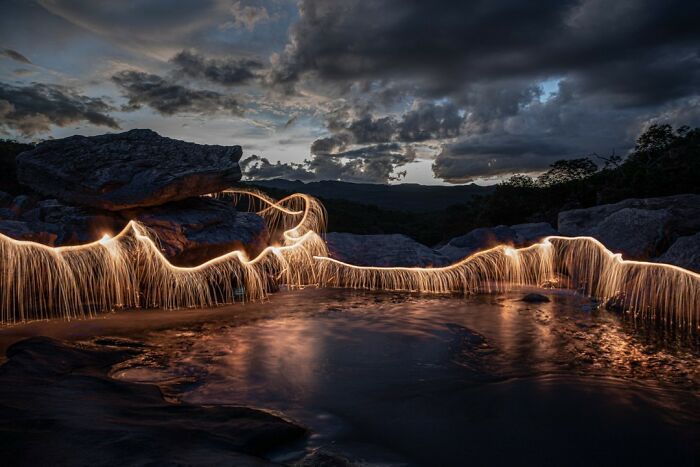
column 409, row 197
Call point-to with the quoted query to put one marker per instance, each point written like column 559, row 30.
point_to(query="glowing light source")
column 38, row 282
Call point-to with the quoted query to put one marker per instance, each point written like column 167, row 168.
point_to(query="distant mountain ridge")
column 409, row 197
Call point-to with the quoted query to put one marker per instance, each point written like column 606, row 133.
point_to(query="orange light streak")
column 128, row 270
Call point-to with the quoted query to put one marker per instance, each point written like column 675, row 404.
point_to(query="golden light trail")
column 128, row 270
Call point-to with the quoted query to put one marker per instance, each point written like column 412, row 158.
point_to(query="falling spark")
column 128, row 270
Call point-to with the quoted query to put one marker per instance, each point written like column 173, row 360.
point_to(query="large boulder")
column 685, row 252
column 637, row 228
column 382, row 250
column 195, row 230
column 24, row 231
column 488, row 237
column 189, row 232
column 530, row 233
column 127, row 170
column 55, row 224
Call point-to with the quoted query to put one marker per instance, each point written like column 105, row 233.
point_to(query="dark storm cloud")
column 618, row 64
column 14, row 55
column 169, row 98
column 370, row 130
column 249, row 15
column 32, row 109
column 486, row 87
column 227, row 71
column 330, row 144
column 495, row 156
column 449, row 44
column 260, row 168
column 141, row 22
column 426, row 121
column 369, row 164
column 429, row 121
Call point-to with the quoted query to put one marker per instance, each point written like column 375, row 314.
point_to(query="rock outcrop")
column 637, row 228
column 58, row 406
column 685, row 252
column 382, row 250
column 198, row 229
column 487, row 237
column 102, row 182
column 55, row 224
column 127, row 170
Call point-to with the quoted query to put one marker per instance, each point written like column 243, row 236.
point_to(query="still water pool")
column 399, row 379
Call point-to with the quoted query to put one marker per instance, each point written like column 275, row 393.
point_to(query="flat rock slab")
column 58, row 407
column 127, row 170
column 394, row 250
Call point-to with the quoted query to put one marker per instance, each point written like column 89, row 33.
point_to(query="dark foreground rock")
column 126, row 170
column 189, row 232
column 637, row 228
column 322, row 457
column 487, row 237
column 195, row 230
column 55, row 224
column 382, row 250
column 535, row 298
column 58, row 407
column 685, row 252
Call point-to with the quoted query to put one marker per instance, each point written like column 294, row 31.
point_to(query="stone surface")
column 685, row 252
column 382, row 250
column 126, row 170
column 21, row 204
column 193, row 231
column 35, row 232
column 487, row 237
column 637, row 228
column 535, row 298
column 55, row 224
column 322, row 457
column 58, row 407
column 532, row 232
column 5, row 199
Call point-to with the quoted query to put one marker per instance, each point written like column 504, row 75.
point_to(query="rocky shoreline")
column 55, row 394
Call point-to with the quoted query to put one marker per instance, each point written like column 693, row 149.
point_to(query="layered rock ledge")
column 97, row 184
column 127, row 170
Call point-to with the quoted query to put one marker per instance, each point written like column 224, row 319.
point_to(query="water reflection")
column 433, row 381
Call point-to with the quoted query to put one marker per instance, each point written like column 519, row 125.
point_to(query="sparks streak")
column 128, row 270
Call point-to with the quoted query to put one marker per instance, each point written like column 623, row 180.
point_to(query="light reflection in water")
column 424, row 379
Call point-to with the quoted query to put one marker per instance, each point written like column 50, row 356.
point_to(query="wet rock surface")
column 126, row 170
column 58, row 407
column 382, row 250
column 535, row 298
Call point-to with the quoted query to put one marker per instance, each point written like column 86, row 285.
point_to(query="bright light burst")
column 128, row 270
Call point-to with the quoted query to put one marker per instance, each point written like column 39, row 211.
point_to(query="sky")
column 380, row 91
